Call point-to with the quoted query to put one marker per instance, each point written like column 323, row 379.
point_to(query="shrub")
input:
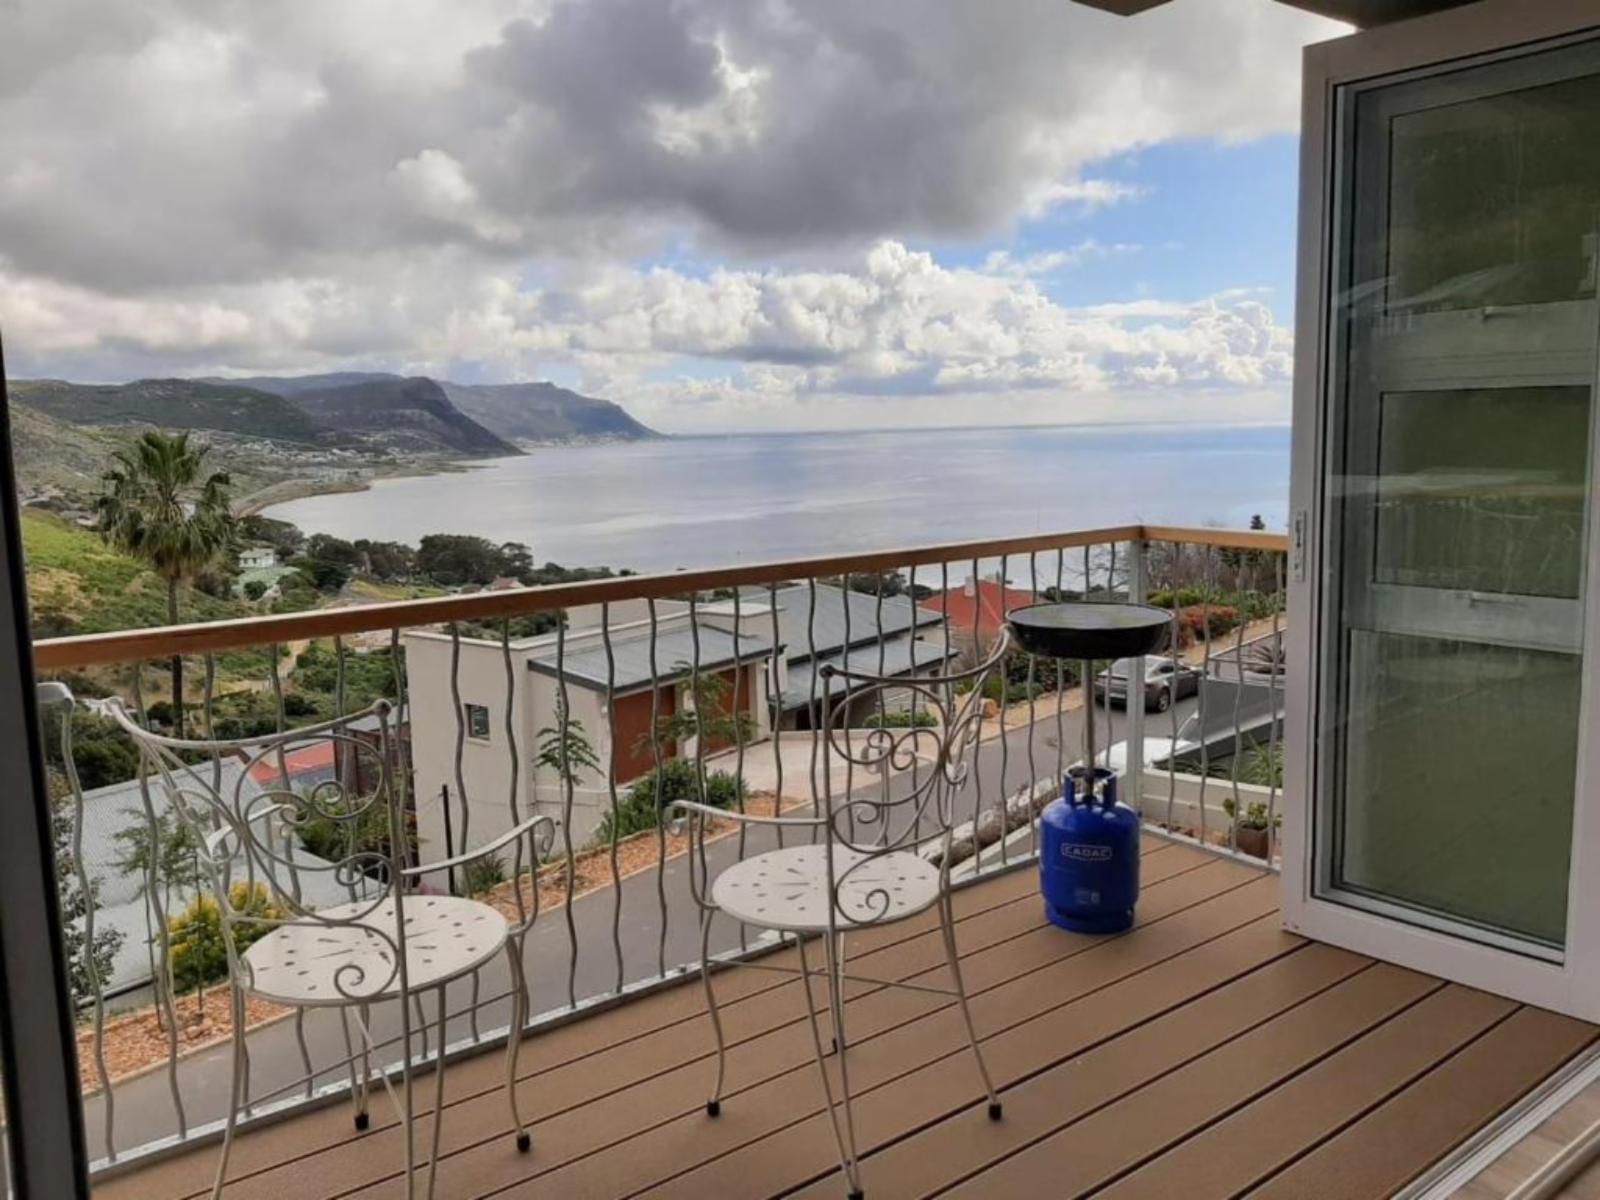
column 638, row 808
column 484, row 873
column 199, row 953
column 905, row 719
column 1197, row 621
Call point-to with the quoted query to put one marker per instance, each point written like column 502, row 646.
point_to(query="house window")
column 477, row 721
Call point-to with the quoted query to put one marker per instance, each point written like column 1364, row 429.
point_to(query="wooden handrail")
column 131, row 645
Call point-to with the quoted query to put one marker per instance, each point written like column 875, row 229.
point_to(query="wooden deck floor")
column 1205, row 1054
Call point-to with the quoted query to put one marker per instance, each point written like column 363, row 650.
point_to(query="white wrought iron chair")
column 868, row 861
column 387, row 943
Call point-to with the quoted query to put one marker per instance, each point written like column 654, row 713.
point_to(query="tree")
column 254, row 589
column 158, row 504
column 388, row 561
column 86, row 962
column 708, row 715
column 177, row 868
column 568, row 752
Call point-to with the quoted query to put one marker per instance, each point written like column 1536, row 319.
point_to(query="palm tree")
column 159, row 505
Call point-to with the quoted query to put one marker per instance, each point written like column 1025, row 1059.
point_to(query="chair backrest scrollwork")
column 263, row 840
column 922, row 766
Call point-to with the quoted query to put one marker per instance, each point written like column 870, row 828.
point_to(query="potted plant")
column 1252, row 831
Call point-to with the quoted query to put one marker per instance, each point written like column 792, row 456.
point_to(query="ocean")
column 725, row 499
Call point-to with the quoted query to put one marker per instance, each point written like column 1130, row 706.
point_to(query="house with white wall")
column 509, row 698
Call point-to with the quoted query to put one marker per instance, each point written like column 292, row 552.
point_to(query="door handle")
column 1495, row 598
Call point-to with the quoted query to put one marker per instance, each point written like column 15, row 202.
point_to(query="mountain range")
column 355, row 410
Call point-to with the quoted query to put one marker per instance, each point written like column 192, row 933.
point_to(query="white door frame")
column 1489, row 28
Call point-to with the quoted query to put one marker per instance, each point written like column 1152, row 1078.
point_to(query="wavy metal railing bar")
column 740, row 688
column 1033, row 713
column 827, row 700
column 1238, row 731
column 96, row 984
column 611, row 792
column 1205, row 685
column 977, row 651
column 461, row 740
column 657, row 784
column 402, row 775
column 563, row 735
column 1172, row 645
column 166, row 989
column 699, row 724
column 812, row 709
column 775, row 704
column 1273, row 768
column 1005, row 702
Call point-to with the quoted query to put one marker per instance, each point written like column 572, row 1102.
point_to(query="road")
column 577, row 953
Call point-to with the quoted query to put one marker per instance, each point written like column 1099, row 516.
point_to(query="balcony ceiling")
column 1358, row 12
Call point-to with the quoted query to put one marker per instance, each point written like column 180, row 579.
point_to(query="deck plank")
column 1391, row 1145
column 574, row 1062
column 1204, row 1053
column 663, row 1122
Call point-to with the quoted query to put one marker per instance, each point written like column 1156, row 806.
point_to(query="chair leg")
column 714, row 1104
column 438, row 1095
column 836, row 997
column 359, row 1117
column 235, row 1085
column 364, row 1012
column 847, row 1159
column 519, row 1018
column 948, row 927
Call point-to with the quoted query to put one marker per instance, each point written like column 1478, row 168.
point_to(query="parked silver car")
column 1164, row 683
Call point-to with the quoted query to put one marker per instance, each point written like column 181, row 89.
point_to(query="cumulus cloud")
column 237, row 185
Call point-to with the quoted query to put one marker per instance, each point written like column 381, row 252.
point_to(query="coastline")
column 302, row 487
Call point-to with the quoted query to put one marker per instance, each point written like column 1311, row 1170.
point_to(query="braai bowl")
column 1089, row 630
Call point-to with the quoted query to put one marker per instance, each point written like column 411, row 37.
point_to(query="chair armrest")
column 469, row 856
column 707, row 810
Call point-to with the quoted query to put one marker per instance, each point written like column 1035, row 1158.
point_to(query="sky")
column 724, row 214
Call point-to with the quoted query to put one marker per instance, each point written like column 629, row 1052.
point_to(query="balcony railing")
column 717, row 670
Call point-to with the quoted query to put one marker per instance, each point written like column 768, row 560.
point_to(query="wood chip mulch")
column 137, row 1041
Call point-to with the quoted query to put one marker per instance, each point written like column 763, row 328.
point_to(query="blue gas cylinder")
column 1089, row 856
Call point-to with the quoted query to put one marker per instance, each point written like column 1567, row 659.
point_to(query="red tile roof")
column 963, row 606
column 317, row 757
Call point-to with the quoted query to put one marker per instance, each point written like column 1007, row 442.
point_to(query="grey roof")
column 900, row 655
column 586, row 663
column 122, row 906
column 805, row 637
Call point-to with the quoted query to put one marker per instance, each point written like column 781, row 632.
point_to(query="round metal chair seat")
column 308, row 963
column 788, row 889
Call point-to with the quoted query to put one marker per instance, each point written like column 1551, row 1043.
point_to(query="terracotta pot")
column 1251, row 841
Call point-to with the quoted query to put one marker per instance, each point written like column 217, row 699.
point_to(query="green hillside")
column 78, row 584
column 173, row 404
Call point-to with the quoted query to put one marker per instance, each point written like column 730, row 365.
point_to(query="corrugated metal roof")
column 586, row 663
column 900, row 655
column 805, row 638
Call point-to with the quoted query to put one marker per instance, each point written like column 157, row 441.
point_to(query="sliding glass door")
column 1457, row 424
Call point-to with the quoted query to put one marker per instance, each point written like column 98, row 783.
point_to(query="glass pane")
column 1483, row 490
column 1458, row 496
column 1461, row 766
column 1493, row 201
